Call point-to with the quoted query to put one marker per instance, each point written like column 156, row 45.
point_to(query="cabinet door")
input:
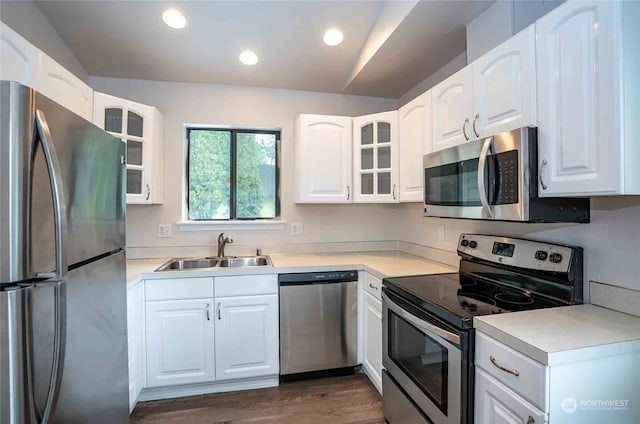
column 496, row 404
column 62, row 86
column 323, row 159
column 504, row 86
column 180, row 342
column 452, row 110
column 247, row 343
column 375, row 158
column 135, row 330
column 578, row 90
column 133, row 123
column 415, row 141
column 373, row 340
column 20, row 59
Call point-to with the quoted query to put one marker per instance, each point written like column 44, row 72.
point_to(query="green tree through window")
column 232, row 174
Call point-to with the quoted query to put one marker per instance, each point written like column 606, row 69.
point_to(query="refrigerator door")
column 91, row 178
column 95, row 382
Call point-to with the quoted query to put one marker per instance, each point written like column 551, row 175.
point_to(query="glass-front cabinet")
column 375, row 158
column 141, row 127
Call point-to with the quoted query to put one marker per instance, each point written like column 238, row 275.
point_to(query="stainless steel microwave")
column 494, row 178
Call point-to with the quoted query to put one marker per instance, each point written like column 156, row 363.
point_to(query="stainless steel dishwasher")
column 318, row 324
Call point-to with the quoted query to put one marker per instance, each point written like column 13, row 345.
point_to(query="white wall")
column 611, row 241
column 25, row 18
column 246, row 106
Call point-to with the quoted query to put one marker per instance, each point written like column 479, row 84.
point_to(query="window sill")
column 249, row 225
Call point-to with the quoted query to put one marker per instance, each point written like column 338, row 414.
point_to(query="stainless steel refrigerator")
column 63, row 343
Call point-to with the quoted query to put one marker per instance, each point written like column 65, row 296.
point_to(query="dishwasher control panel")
column 318, row 277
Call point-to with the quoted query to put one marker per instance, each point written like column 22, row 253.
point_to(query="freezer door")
column 95, row 383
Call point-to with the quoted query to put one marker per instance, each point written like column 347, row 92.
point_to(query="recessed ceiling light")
column 174, row 18
column 248, row 57
column 333, row 37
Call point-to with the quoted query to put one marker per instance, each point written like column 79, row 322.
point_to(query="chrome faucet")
column 222, row 242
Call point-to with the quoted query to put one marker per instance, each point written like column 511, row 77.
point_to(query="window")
column 232, row 174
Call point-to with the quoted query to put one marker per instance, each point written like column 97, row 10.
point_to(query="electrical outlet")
column 296, row 229
column 441, row 233
column 164, row 230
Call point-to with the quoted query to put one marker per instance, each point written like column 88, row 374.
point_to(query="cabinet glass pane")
column 366, row 134
column 367, row 183
column 384, row 132
column 384, row 157
column 134, row 124
column 134, row 152
column 366, row 159
column 134, row 181
column 113, row 120
column 384, row 183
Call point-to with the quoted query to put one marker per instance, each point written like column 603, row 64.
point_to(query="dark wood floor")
column 336, row 400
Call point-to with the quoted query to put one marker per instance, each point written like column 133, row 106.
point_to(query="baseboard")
column 157, row 393
column 375, row 380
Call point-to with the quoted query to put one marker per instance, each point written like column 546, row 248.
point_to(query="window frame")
column 277, row 132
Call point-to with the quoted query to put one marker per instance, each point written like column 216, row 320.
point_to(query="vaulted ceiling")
column 389, row 46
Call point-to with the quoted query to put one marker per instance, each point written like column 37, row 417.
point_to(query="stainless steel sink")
column 187, row 264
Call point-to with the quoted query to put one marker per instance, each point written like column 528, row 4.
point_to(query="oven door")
column 425, row 360
column 483, row 179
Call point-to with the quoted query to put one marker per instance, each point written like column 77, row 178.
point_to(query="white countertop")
column 564, row 334
column 380, row 264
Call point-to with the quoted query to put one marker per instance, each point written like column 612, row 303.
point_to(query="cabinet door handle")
column 348, row 192
column 531, row 420
column 393, row 192
column 148, row 192
column 464, row 129
column 207, row 312
column 509, row 370
column 475, row 118
column 372, row 286
column 219, row 310
column 541, row 174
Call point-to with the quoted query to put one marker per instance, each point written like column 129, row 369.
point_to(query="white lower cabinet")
column 372, row 361
column 180, row 342
column 246, row 329
column 496, row 404
column 135, row 341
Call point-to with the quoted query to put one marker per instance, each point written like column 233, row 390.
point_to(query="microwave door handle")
column 43, row 134
column 482, row 189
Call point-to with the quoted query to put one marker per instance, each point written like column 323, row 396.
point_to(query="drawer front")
column 531, row 381
column 179, row 288
column 246, row 285
column 373, row 285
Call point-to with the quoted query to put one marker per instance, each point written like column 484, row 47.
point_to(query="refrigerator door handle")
column 55, row 177
column 59, row 344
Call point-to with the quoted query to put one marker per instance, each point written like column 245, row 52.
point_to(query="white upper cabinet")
column 24, row 63
column 323, row 159
column 452, row 110
column 375, row 158
column 415, row 137
column 504, row 86
column 20, row 59
column 247, row 341
column 588, row 70
column 141, row 127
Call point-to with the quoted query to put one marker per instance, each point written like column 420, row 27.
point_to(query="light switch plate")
column 164, row 230
column 296, row 229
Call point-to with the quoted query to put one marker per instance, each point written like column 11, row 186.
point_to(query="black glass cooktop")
column 457, row 298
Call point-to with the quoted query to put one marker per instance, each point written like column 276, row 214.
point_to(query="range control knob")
column 464, row 243
column 473, row 244
column 555, row 258
column 541, row 255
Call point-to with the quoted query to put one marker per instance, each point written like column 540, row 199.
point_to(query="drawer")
column 531, row 381
column 373, row 285
column 246, row 285
column 179, row 288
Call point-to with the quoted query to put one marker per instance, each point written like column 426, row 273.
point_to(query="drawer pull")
column 509, row 370
column 372, row 286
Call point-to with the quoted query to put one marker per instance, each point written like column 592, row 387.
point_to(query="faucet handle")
column 229, row 240
column 258, row 252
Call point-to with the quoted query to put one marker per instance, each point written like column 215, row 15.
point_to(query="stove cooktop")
column 457, row 298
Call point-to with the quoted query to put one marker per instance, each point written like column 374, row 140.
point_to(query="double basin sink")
column 184, row 264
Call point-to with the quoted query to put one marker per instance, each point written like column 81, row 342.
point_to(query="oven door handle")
column 421, row 324
column 482, row 189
